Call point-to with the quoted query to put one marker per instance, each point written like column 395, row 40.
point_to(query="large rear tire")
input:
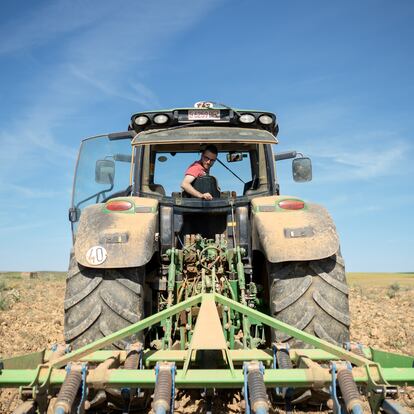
column 99, row 302
column 311, row 296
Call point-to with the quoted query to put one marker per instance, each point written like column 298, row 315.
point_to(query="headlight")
column 247, row 118
column 160, row 119
column 265, row 119
column 141, row 120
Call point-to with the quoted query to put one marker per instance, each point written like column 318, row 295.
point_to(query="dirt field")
column 31, row 317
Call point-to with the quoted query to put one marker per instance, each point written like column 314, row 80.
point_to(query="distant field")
column 49, row 275
column 380, row 279
column 354, row 278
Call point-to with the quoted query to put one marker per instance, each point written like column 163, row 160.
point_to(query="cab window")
column 170, row 167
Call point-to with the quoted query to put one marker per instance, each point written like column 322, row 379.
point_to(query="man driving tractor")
column 199, row 169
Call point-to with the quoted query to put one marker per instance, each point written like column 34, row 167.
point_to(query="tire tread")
column 311, row 296
column 99, row 302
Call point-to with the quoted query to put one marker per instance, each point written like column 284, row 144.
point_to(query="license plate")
column 204, row 115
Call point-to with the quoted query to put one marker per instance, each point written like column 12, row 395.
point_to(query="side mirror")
column 302, row 169
column 105, row 171
column 235, row 156
column 74, row 214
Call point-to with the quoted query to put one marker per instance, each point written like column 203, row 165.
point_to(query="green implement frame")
column 376, row 372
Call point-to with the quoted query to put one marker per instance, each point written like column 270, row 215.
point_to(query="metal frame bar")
column 201, row 378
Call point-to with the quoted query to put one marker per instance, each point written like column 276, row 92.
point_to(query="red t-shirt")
column 196, row 170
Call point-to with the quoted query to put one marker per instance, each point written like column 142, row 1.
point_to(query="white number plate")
column 96, row 255
column 204, row 115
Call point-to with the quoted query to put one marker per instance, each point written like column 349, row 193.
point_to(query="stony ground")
column 381, row 317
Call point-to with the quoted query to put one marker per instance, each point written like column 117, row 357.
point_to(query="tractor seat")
column 205, row 184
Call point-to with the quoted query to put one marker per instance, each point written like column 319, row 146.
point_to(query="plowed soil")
column 381, row 316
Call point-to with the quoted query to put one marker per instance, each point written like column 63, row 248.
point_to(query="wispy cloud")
column 360, row 204
column 364, row 162
column 94, row 46
column 32, row 193
column 343, row 145
column 27, row 226
column 49, row 22
column 137, row 91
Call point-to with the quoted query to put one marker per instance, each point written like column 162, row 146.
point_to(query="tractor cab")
column 150, row 159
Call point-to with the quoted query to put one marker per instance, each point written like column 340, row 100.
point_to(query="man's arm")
column 186, row 185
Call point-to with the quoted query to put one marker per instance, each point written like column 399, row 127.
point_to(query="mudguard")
column 114, row 239
column 292, row 235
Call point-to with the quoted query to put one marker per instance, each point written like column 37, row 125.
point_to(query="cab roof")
column 204, row 135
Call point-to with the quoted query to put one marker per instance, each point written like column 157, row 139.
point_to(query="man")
column 197, row 169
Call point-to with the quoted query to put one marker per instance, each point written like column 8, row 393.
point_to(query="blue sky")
column 339, row 76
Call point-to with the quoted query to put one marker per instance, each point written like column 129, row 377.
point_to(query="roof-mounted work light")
column 141, row 120
column 161, row 119
column 247, row 118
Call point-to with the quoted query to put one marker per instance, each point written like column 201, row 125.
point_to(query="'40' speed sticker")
column 96, row 255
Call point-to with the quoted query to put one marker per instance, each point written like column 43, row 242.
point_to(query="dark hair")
column 212, row 148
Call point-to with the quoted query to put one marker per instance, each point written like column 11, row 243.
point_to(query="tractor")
column 244, row 292
column 130, row 221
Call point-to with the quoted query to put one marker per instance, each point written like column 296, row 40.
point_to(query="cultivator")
column 88, row 375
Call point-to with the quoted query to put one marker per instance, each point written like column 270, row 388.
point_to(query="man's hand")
column 206, row 196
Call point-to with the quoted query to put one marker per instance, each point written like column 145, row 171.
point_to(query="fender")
column 292, row 235
column 113, row 239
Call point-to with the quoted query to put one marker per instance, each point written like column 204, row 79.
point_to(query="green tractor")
column 210, row 281
column 131, row 220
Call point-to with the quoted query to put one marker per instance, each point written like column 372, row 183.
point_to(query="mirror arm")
column 122, row 157
column 285, row 155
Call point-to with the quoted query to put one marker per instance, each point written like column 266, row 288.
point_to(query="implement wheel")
column 99, row 302
column 311, row 296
